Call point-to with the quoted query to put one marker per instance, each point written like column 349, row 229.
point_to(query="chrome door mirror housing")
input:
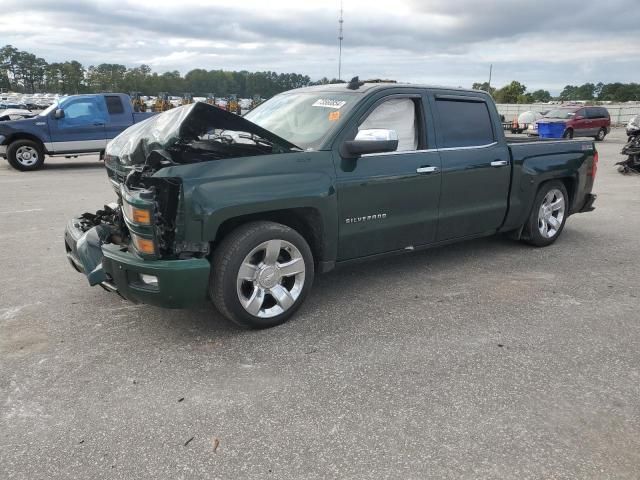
column 372, row 140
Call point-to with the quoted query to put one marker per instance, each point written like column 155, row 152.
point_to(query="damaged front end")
column 137, row 246
column 129, row 247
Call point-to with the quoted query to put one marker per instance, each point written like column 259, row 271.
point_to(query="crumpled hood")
column 186, row 123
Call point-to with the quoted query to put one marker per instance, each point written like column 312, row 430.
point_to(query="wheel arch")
column 307, row 221
column 570, row 184
column 25, row 136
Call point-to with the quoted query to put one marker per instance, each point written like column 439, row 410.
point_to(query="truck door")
column 82, row 128
column 389, row 201
column 476, row 170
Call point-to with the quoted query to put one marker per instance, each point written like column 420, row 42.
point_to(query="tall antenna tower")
column 340, row 37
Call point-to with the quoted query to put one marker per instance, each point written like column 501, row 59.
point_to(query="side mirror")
column 372, row 140
column 59, row 113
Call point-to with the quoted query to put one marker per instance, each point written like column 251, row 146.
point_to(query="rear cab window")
column 114, row 105
column 464, row 123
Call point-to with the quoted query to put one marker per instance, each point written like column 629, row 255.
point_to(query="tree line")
column 516, row 92
column 26, row 73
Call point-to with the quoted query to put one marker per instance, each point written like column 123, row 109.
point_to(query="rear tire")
column 548, row 215
column 260, row 275
column 25, row 155
column 601, row 134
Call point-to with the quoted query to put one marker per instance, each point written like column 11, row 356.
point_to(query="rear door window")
column 114, row 105
column 464, row 123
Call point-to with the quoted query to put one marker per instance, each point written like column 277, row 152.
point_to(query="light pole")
column 340, row 37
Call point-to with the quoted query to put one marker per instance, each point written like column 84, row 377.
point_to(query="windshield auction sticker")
column 328, row 103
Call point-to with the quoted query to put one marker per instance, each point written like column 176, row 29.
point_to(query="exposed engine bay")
column 194, row 133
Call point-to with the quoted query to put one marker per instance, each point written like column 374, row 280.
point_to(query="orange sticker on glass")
column 334, row 116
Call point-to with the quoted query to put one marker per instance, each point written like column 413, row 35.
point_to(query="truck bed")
column 536, row 139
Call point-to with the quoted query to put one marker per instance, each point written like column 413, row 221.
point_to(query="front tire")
column 260, row 274
column 568, row 134
column 548, row 215
column 25, row 155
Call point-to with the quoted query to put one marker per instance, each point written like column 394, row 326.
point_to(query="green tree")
column 510, row 93
column 484, row 86
column 9, row 62
column 541, row 96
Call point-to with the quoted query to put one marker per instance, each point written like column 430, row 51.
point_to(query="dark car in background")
column 580, row 121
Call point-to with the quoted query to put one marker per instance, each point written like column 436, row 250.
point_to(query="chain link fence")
column 620, row 113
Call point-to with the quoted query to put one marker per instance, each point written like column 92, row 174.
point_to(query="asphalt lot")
column 486, row 359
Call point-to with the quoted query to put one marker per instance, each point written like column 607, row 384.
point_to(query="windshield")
column 560, row 113
column 303, row 119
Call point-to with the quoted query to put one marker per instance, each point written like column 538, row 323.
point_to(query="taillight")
column 594, row 167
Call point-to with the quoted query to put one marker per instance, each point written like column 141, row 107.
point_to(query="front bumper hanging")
column 177, row 284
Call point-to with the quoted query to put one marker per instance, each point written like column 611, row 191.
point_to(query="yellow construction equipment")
column 137, row 103
column 187, row 99
column 162, row 102
column 232, row 104
column 211, row 99
column 255, row 101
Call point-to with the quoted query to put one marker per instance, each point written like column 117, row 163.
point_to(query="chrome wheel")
column 270, row 278
column 551, row 213
column 26, row 155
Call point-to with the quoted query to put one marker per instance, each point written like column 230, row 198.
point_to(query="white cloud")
column 544, row 44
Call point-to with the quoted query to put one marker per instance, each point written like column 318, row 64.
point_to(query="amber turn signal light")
column 141, row 216
column 143, row 245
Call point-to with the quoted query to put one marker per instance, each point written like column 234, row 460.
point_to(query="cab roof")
column 368, row 87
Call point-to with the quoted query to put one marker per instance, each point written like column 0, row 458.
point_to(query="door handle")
column 500, row 163
column 98, row 124
column 427, row 169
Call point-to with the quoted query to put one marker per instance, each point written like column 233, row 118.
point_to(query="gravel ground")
column 486, row 359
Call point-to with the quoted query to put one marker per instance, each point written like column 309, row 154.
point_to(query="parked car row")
column 35, row 101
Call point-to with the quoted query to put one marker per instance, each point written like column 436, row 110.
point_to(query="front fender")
column 217, row 191
column 30, row 128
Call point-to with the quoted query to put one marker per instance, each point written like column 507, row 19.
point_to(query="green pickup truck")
column 244, row 211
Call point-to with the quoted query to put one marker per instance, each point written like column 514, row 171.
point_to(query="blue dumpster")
column 551, row 129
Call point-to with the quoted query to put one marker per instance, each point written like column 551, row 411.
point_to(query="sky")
column 541, row 43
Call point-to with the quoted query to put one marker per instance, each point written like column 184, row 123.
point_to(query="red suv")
column 583, row 121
